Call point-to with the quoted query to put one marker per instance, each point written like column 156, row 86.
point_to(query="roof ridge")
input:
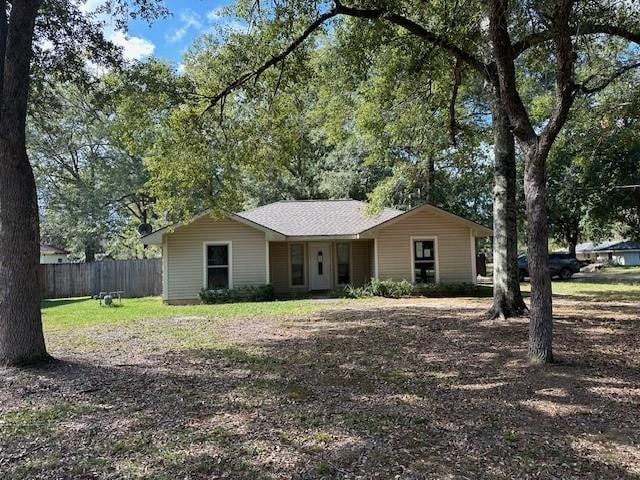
column 316, row 200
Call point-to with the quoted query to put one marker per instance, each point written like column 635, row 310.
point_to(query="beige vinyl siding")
column 453, row 247
column 185, row 259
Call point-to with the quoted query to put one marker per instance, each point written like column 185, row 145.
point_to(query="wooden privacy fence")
column 137, row 278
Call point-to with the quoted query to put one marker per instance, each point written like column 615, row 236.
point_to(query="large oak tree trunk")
column 541, row 321
column 21, row 336
column 507, row 298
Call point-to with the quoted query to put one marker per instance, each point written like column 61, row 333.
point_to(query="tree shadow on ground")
column 397, row 392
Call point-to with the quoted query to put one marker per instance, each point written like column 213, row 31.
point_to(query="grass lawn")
column 82, row 312
column 594, row 289
column 371, row 389
column 631, row 270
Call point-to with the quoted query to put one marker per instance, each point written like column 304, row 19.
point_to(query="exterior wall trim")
column 205, row 244
column 413, row 254
column 375, row 258
column 165, row 268
column 266, row 252
column 474, row 271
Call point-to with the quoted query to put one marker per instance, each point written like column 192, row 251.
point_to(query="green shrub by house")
column 403, row 288
column 260, row 293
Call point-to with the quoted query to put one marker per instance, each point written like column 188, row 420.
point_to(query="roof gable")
column 478, row 229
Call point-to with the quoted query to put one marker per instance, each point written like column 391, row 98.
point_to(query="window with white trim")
column 424, row 261
column 217, row 266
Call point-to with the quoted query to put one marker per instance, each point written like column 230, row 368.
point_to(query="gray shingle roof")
column 624, row 244
column 46, row 248
column 317, row 217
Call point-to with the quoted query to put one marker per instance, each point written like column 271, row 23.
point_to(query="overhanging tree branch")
column 539, row 38
column 418, row 30
column 372, row 14
column 240, row 81
column 583, row 88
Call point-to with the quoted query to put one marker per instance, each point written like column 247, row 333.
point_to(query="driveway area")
column 361, row 389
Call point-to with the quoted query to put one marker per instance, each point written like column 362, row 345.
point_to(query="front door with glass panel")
column 320, row 266
column 424, row 261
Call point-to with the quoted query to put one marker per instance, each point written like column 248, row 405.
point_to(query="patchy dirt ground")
column 406, row 389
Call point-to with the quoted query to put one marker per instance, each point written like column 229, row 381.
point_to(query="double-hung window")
column 218, row 266
column 424, row 261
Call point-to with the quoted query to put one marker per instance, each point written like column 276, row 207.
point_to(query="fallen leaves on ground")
column 376, row 389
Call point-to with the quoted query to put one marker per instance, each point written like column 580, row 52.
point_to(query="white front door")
column 320, row 266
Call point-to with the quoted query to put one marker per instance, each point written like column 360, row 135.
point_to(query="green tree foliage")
column 315, row 129
column 594, row 169
column 91, row 187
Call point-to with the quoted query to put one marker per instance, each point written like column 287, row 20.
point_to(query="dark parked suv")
column 561, row 265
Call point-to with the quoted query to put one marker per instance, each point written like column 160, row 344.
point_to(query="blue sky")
column 169, row 38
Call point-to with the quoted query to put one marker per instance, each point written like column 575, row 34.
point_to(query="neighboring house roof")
column 608, row 246
column 319, row 218
column 47, row 249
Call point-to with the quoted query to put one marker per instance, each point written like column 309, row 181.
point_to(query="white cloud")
column 177, row 35
column 191, row 19
column 188, row 20
column 222, row 21
column 133, row 48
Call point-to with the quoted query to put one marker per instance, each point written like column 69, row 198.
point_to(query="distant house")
column 53, row 254
column 315, row 245
column 620, row 252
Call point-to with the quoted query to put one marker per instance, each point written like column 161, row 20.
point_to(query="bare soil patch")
column 407, row 389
